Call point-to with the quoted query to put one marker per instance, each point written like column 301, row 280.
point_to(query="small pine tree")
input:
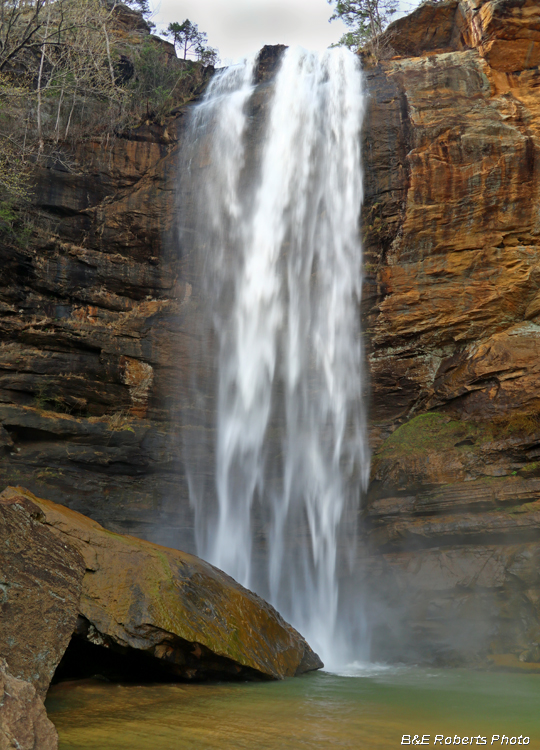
column 186, row 37
column 188, row 40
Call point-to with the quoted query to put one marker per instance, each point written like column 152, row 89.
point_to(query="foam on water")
column 367, row 669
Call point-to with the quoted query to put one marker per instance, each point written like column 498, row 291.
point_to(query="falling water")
column 278, row 214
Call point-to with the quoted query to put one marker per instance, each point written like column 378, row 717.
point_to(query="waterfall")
column 278, row 183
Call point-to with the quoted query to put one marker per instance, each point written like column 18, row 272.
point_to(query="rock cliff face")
column 452, row 235
column 92, row 332
column 98, row 331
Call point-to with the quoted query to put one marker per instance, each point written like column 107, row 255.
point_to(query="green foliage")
column 41, row 397
column 435, row 432
column 153, row 81
column 46, row 400
column 526, row 424
column 13, row 179
column 430, row 431
column 158, row 83
column 351, row 39
column 69, row 71
column 120, row 420
column 190, row 41
column 13, row 224
column 366, row 19
column 56, row 79
column 208, row 56
column 532, row 469
column 142, row 6
column 185, row 36
column 7, row 215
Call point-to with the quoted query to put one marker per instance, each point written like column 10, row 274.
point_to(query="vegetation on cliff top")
column 76, row 69
column 366, row 19
column 187, row 37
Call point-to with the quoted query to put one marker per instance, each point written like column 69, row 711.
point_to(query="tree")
column 141, row 5
column 207, row 55
column 366, row 19
column 57, row 72
column 190, row 41
column 185, row 36
column 68, row 72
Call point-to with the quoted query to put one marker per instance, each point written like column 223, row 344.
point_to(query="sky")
column 240, row 27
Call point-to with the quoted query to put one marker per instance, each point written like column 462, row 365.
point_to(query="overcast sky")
column 239, row 27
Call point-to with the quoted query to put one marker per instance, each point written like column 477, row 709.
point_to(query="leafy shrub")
column 155, row 80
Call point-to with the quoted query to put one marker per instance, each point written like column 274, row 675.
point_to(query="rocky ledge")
column 77, row 600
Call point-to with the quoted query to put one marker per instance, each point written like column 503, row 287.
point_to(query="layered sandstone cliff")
column 453, row 234
column 92, row 306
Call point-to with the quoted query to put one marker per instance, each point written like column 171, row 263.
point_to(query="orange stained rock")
column 144, row 596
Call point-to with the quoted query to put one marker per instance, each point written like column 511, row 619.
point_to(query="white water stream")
column 278, row 219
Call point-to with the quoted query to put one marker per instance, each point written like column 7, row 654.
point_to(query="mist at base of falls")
column 277, row 179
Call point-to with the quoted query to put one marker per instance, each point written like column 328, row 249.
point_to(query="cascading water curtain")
column 278, row 204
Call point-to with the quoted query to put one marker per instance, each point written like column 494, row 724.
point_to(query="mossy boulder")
column 174, row 609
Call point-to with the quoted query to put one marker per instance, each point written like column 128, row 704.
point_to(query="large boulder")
column 138, row 599
column 40, row 585
column 23, row 720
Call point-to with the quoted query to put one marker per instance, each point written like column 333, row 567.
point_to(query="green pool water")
column 370, row 707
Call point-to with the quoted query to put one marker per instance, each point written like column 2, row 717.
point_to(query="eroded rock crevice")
column 90, row 654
